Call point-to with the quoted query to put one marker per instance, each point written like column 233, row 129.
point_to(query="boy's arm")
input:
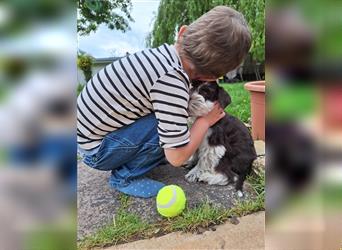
column 178, row 156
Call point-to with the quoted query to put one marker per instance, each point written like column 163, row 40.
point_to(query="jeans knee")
column 150, row 153
column 111, row 155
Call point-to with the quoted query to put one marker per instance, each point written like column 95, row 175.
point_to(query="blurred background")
column 37, row 115
column 304, row 125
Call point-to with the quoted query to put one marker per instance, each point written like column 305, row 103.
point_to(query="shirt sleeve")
column 170, row 98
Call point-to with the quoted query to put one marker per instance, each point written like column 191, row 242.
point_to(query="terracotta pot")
column 257, row 91
column 331, row 103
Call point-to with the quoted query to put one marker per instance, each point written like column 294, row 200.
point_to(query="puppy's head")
column 203, row 95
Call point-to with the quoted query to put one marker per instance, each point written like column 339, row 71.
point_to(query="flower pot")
column 331, row 103
column 257, row 92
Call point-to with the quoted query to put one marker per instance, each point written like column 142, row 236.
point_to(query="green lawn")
column 240, row 106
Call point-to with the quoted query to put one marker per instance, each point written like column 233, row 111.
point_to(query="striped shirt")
column 152, row 80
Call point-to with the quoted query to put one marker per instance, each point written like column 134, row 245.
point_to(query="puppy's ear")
column 223, row 98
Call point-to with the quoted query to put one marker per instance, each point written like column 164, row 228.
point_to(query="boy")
column 133, row 113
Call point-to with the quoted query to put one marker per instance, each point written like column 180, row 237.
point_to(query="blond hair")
column 217, row 42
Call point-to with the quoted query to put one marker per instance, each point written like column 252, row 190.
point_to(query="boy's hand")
column 214, row 115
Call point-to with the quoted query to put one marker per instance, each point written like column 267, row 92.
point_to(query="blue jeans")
column 129, row 152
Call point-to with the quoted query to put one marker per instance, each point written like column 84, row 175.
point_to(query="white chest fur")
column 208, row 158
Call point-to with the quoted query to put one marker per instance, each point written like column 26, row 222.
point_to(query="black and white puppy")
column 227, row 152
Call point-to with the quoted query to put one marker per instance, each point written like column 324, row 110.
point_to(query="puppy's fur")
column 227, row 152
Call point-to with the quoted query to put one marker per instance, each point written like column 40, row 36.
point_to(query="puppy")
column 227, row 152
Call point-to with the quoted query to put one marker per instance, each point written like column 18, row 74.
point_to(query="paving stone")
column 259, row 147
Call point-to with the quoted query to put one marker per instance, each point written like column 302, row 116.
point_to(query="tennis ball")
column 171, row 201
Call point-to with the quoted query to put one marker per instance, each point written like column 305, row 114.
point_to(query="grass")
column 124, row 227
column 203, row 215
column 124, row 201
column 249, row 206
column 240, row 106
column 257, row 183
column 127, row 227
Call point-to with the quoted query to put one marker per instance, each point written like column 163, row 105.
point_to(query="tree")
column 92, row 13
column 174, row 13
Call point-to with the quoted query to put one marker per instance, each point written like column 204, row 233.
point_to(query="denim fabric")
column 129, row 152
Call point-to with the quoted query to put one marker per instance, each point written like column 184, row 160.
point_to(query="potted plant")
column 257, row 93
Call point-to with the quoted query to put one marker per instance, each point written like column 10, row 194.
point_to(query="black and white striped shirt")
column 152, row 80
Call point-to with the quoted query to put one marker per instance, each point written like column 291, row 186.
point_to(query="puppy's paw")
column 193, row 175
column 204, row 177
column 190, row 177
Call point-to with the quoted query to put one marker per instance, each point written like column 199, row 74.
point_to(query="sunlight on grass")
column 240, row 106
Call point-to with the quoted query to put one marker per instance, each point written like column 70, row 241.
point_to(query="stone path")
column 97, row 203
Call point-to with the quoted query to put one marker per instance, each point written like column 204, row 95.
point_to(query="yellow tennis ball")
column 171, row 201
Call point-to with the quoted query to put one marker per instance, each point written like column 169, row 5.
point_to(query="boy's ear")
column 181, row 32
column 182, row 28
column 223, row 98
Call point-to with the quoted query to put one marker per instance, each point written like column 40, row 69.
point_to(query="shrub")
column 85, row 62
